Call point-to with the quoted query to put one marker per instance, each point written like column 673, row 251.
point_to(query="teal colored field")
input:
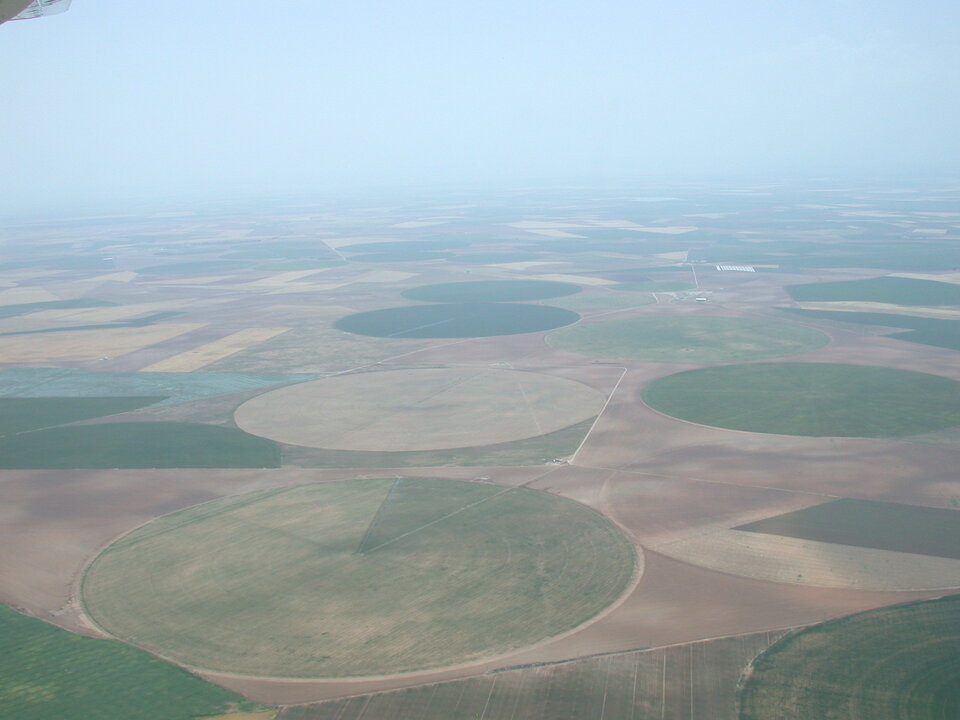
column 890, row 664
column 137, row 445
column 813, row 399
column 871, row 524
column 358, row 577
column 50, row 674
column 22, row 414
column 490, row 291
column 893, row 290
column 455, row 320
column 687, row 339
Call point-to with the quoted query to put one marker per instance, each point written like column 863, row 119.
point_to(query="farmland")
column 867, row 523
column 22, row 414
column 440, row 408
column 687, row 339
column 49, row 673
column 899, row 662
column 457, row 320
column 894, row 290
column 814, row 399
column 400, row 575
column 689, row 681
column 490, row 291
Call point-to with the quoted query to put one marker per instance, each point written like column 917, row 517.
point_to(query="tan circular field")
column 435, row 409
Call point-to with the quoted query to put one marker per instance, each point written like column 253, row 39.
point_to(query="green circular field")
column 688, row 339
column 815, row 399
column 491, row 291
column 900, row 663
column 455, row 320
column 358, row 577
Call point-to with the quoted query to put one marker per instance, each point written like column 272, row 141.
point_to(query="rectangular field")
column 870, row 524
column 217, row 350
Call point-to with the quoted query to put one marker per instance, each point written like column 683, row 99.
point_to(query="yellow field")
column 19, row 295
column 87, row 344
column 217, row 350
column 281, row 279
column 401, row 410
column 807, row 562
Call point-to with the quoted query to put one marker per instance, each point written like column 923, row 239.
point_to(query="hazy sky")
column 136, row 98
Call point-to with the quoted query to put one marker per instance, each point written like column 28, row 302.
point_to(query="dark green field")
column 871, row 524
column 893, row 290
column 137, row 445
column 27, row 308
column 22, row 414
column 50, row 674
column 899, row 663
column 814, row 399
column 490, row 291
column 688, row 339
column 923, row 330
column 456, row 320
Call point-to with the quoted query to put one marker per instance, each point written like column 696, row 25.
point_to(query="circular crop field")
column 900, row 663
column 456, row 320
column 400, row 410
column 358, row 577
column 491, row 291
column 688, row 339
column 815, row 399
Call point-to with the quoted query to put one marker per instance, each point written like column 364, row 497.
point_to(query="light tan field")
column 86, row 344
column 554, row 233
column 855, row 306
column 679, row 255
column 419, row 223
column 419, row 409
column 947, row 277
column 524, row 265
column 86, row 316
column 28, row 294
column 671, row 230
column 383, row 276
column 217, row 350
column 807, row 562
column 286, row 277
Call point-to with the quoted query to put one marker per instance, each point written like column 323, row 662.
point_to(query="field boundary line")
column 375, row 522
column 440, row 519
column 599, row 415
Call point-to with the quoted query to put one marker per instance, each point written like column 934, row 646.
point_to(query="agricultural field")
column 893, row 290
column 687, row 339
column 46, row 672
column 457, row 320
column 814, row 399
column 871, row 524
column 898, row 662
column 688, row 681
column 411, row 410
column 137, row 445
column 490, row 291
column 360, row 461
column 362, row 577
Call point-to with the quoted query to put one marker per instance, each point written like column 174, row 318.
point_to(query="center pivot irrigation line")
column 371, row 528
column 600, row 415
column 440, row 519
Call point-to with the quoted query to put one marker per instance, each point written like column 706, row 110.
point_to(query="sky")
column 118, row 100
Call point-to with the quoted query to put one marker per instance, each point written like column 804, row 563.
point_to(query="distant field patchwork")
column 888, row 664
column 361, row 577
column 490, row 291
column 815, row 399
column 687, row 339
